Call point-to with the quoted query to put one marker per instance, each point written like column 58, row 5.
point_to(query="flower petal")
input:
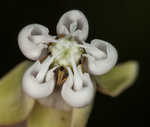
column 49, row 117
column 32, row 41
column 73, row 23
column 98, row 62
column 15, row 106
column 33, row 80
column 78, row 98
column 118, row 79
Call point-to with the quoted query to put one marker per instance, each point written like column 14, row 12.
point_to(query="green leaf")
column 49, row 117
column 15, row 106
column 118, row 79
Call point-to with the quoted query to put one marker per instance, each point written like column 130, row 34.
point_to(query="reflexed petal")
column 32, row 39
column 50, row 117
column 98, row 62
column 73, row 23
column 118, row 79
column 15, row 106
column 78, row 98
column 33, row 80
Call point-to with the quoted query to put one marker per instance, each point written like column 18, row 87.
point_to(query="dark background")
column 124, row 23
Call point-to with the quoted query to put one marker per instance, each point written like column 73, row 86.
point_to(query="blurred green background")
column 124, row 23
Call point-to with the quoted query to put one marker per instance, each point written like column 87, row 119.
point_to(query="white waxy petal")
column 79, row 98
column 100, row 65
column 32, row 41
column 33, row 87
column 73, row 23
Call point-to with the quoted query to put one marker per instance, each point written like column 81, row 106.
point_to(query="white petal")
column 33, row 87
column 99, row 65
column 73, row 23
column 81, row 97
column 32, row 39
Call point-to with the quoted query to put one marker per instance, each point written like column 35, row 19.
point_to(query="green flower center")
column 69, row 48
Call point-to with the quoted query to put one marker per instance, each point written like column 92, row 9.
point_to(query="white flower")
column 66, row 51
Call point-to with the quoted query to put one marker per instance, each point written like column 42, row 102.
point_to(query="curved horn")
column 81, row 97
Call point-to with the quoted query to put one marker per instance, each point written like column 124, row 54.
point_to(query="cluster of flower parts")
column 36, row 43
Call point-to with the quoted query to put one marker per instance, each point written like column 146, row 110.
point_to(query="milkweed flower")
column 65, row 74
column 64, row 51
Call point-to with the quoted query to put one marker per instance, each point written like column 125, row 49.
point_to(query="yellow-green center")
column 68, row 49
